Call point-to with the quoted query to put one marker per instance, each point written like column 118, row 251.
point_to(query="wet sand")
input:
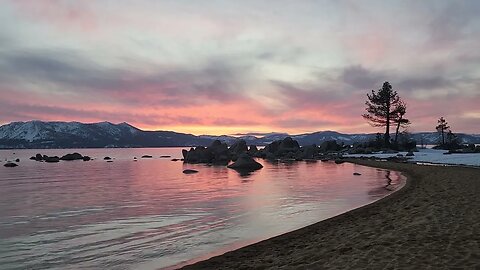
column 433, row 222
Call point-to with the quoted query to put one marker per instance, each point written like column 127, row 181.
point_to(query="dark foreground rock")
column 245, row 162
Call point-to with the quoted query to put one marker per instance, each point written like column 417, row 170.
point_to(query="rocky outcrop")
column 245, row 163
column 216, row 153
column 286, row 148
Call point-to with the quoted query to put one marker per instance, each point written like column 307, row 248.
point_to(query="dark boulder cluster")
column 54, row 159
column 220, row 154
column 216, row 153
column 290, row 149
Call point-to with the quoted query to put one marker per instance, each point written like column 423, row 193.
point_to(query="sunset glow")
column 226, row 67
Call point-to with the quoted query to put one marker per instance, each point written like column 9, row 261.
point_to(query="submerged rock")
column 10, row 164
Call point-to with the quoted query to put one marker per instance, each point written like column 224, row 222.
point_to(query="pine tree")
column 384, row 107
column 442, row 128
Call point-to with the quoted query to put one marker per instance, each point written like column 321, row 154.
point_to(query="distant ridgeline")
column 38, row 134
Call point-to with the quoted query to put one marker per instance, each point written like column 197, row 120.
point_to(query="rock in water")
column 53, row 159
column 410, row 154
column 147, row 156
column 107, row 158
column 10, row 164
column 189, row 171
column 86, row 158
column 356, row 173
column 74, row 156
column 245, row 162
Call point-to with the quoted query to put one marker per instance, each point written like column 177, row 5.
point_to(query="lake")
column 147, row 214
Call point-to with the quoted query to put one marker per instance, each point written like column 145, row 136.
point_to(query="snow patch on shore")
column 433, row 156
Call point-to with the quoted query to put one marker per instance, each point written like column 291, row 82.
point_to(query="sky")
column 233, row 67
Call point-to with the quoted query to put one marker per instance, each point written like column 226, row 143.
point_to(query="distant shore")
column 432, row 222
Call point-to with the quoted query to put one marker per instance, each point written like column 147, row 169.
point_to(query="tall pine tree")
column 442, row 128
column 384, row 107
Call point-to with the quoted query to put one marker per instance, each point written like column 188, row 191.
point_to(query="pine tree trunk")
column 443, row 137
column 396, row 131
column 387, row 131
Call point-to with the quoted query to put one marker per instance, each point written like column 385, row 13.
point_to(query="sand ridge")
column 433, row 222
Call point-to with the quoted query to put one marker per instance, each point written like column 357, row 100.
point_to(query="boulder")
column 245, row 162
column 307, row 152
column 189, row 171
column 329, row 146
column 53, row 159
column 253, row 150
column 10, row 164
column 74, row 156
column 38, row 157
column 238, row 147
column 17, row 160
column 86, row 158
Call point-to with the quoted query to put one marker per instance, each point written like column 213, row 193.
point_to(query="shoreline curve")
column 415, row 226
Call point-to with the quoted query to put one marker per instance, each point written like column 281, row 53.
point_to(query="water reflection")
column 148, row 214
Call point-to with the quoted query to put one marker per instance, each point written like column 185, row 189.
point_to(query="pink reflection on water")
column 98, row 210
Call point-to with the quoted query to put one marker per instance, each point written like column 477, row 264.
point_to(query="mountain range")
column 39, row 134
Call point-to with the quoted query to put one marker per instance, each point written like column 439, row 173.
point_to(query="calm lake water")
column 149, row 215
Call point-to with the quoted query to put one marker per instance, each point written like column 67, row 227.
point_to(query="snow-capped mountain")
column 38, row 134
column 38, row 130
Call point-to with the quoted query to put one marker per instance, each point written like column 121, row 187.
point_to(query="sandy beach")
column 431, row 223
